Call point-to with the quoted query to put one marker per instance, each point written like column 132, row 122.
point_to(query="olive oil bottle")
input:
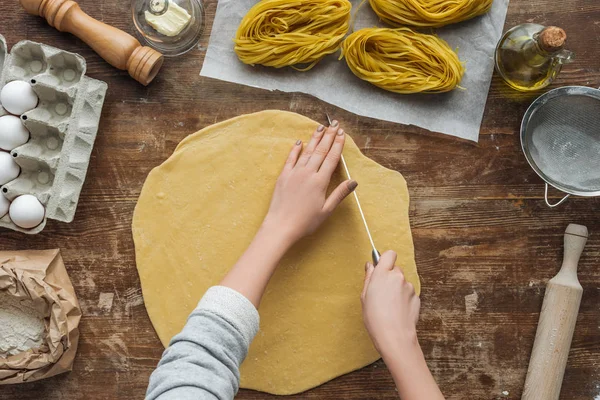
column 530, row 56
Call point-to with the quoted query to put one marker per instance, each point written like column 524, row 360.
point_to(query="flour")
column 471, row 303
column 21, row 325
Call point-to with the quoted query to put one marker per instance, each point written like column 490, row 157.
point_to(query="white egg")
column 9, row 169
column 4, row 204
column 26, row 211
column 12, row 132
column 18, row 97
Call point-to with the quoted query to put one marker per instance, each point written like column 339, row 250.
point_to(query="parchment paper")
column 457, row 113
column 41, row 276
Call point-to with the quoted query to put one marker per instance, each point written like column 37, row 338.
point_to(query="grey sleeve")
column 203, row 360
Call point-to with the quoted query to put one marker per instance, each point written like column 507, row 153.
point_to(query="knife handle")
column 376, row 256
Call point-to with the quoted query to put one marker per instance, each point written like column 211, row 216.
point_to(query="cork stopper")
column 552, row 38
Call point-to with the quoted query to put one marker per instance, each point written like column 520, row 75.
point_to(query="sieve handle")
column 555, row 204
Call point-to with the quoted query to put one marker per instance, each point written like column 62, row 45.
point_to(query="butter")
column 172, row 22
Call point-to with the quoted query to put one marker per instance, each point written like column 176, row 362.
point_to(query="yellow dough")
column 198, row 212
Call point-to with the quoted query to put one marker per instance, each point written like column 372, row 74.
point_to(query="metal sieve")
column 560, row 136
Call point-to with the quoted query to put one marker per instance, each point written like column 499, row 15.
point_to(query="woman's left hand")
column 300, row 203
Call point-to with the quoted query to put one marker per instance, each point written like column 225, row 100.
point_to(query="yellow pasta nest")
column 280, row 33
column 402, row 61
column 428, row 13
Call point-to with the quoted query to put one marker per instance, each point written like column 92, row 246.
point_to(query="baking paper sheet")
column 457, row 113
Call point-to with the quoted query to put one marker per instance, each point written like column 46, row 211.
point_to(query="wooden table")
column 485, row 242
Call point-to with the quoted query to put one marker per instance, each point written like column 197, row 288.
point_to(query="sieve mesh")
column 562, row 138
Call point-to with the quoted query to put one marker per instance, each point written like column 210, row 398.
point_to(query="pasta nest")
column 402, row 61
column 428, row 13
column 281, row 33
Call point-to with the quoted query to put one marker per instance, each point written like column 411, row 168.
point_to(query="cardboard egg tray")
column 63, row 127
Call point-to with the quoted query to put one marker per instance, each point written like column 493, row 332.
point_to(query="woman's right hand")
column 391, row 310
column 390, row 306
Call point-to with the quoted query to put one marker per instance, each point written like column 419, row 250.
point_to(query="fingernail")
column 320, row 128
column 299, row 142
column 352, row 185
column 334, row 123
column 340, row 132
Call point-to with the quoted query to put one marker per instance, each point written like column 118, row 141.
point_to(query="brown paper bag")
column 41, row 276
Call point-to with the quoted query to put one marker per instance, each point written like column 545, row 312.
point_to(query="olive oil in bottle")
column 530, row 56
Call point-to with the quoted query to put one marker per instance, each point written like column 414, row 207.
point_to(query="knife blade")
column 375, row 255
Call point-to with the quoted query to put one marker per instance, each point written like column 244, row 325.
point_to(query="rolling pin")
column 557, row 323
column 118, row 48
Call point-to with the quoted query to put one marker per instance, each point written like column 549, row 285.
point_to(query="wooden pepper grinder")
column 557, row 323
column 118, row 48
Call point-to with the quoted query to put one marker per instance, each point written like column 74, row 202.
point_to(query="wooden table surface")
column 485, row 242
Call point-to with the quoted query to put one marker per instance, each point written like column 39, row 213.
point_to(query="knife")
column 374, row 253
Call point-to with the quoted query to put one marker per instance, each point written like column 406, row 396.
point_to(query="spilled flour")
column 471, row 303
column 21, row 325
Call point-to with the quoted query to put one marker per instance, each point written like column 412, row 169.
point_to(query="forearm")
column 252, row 272
column 298, row 207
column 202, row 362
column 413, row 379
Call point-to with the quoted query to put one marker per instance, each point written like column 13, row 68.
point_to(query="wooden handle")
column 574, row 242
column 117, row 47
column 557, row 323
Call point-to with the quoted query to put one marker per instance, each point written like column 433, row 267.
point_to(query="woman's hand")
column 390, row 311
column 390, row 305
column 299, row 204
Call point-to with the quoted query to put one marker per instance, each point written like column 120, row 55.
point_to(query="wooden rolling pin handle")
column 574, row 242
column 557, row 323
column 117, row 47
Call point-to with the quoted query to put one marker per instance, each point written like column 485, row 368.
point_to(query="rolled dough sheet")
column 198, row 212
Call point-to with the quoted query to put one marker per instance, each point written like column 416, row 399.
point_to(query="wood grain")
column 477, row 213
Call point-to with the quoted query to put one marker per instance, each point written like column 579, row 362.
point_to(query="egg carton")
column 63, row 127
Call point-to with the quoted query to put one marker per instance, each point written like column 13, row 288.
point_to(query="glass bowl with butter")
column 172, row 27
